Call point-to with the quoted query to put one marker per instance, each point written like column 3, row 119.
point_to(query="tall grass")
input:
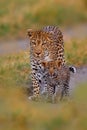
column 76, row 53
column 17, row 16
column 18, row 113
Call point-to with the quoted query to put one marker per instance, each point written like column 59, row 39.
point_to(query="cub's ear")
column 44, row 64
column 29, row 32
column 58, row 63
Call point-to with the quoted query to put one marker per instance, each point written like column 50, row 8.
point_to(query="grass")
column 17, row 16
column 18, row 113
column 76, row 53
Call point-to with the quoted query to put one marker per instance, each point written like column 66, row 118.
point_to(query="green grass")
column 17, row 16
column 18, row 113
column 76, row 53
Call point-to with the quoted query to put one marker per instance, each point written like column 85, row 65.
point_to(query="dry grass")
column 76, row 52
column 18, row 113
column 17, row 16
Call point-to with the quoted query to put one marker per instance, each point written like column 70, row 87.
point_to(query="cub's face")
column 51, row 67
column 38, row 43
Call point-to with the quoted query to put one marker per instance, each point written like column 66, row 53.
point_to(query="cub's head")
column 51, row 67
column 38, row 42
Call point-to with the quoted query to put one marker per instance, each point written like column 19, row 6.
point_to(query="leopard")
column 57, row 76
column 57, row 46
column 46, row 44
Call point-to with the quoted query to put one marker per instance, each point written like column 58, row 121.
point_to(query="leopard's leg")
column 62, row 92
column 59, row 92
column 36, row 87
column 65, row 91
column 50, row 91
column 44, row 85
column 56, row 96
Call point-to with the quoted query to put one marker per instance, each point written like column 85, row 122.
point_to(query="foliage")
column 76, row 53
column 18, row 113
column 17, row 16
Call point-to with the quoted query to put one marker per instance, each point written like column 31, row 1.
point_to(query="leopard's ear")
column 44, row 64
column 58, row 63
column 29, row 32
column 51, row 32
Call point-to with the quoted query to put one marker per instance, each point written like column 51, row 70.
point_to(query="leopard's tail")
column 72, row 69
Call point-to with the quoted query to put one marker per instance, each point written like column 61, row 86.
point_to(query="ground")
column 18, row 113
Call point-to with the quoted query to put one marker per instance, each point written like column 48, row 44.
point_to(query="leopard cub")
column 57, row 77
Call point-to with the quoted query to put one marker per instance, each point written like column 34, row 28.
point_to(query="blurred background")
column 16, row 16
column 16, row 111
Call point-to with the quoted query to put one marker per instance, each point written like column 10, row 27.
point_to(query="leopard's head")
column 38, row 42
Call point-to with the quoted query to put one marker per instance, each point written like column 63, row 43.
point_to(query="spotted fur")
column 57, row 46
column 57, row 75
column 45, row 45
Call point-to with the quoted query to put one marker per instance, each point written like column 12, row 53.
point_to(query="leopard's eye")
column 33, row 43
column 44, row 42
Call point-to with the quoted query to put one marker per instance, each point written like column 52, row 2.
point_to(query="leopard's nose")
column 38, row 53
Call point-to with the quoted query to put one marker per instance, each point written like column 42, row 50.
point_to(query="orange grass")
column 17, row 16
column 18, row 113
column 76, row 52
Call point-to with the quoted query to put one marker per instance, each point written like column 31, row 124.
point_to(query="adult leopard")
column 45, row 45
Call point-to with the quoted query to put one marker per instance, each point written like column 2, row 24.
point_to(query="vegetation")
column 18, row 113
column 76, row 53
column 17, row 16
